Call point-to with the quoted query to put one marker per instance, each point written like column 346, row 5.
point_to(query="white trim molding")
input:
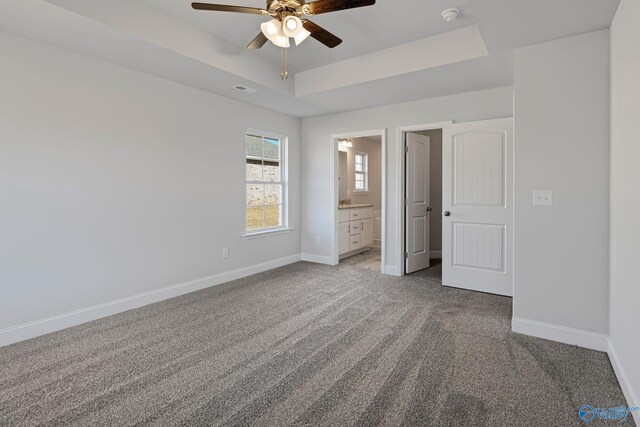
column 563, row 334
column 266, row 233
column 586, row 339
column 318, row 259
column 632, row 396
column 47, row 325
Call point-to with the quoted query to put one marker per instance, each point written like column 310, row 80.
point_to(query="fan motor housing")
column 279, row 6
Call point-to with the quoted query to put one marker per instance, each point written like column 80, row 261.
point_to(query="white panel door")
column 417, row 206
column 477, row 193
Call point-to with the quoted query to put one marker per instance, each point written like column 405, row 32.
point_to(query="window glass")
column 361, row 178
column 265, row 204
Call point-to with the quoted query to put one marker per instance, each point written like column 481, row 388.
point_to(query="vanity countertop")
column 354, row 206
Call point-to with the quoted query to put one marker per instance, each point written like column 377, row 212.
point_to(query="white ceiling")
column 510, row 24
column 363, row 30
column 395, row 51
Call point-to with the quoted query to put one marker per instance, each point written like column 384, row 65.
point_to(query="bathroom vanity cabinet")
column 355, row 229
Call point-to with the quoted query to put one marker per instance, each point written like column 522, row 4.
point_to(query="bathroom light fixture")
column 345, row 143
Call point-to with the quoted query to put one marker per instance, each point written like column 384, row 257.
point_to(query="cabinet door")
column 344, row 237
column 366, row 232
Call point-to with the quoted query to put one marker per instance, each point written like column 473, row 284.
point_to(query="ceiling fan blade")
column 227, row 8
column 258, row 42
column 326, row 6
column 320, row 34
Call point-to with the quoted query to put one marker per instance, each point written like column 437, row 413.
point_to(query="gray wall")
column 115, row 182
column 562, row 144
column 625, row 195
column 317, row 152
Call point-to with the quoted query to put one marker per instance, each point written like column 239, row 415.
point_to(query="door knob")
column 446, row 213
column 429, row 209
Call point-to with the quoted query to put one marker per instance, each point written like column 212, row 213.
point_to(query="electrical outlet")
column 225, row 253
column 542, row 198
column 317, row 239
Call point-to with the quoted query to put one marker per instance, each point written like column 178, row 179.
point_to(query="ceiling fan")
column 286, row 22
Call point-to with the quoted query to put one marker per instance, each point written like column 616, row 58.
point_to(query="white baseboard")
column 630, row 394
column 586, row 339
column 435, row 254
column 579, row 337
column 35, row 328
column 318, row 259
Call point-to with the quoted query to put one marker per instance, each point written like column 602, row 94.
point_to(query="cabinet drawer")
column 354, row 242
column 366, row 213
column 354, row 214
column 354, row 227
column 343, row 216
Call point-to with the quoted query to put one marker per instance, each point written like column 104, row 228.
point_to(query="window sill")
column 266, row 233
column 361, row 192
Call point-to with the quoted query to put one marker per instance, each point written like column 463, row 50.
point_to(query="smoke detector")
column 450, row 14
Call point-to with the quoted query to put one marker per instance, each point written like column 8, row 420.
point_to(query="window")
column 265, row 193
column 362, row 178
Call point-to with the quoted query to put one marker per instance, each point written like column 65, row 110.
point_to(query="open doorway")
column 359, row 175
column 477, row 203
column 423, row 202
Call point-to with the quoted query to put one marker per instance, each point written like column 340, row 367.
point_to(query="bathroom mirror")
column 343, row 184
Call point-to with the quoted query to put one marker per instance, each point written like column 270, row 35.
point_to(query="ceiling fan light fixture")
column 285, row 22
column 281, row 40
column 301, row 36
column 291, row 25
column 271, row 29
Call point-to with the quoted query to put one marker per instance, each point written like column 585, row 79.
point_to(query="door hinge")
column 406, row 202
column 406, row 255
column 406, row 149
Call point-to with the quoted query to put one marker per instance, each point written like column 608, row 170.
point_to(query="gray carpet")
column 306, row 345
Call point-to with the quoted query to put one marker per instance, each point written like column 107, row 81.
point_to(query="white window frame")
column 284, row 210
column 364, row 172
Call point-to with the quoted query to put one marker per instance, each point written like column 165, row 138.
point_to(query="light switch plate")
column 542, row 198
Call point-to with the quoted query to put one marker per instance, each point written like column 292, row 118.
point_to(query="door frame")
column 382, row 133
column 402, row 170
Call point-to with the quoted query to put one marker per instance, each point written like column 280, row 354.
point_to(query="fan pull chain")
column 285, row 64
